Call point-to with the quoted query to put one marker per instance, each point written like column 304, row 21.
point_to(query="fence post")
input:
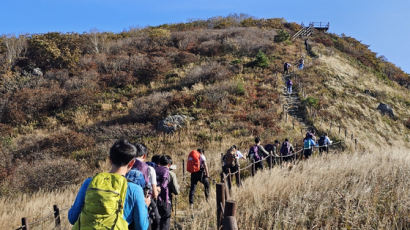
column 355, row 144
column 351, row 138
column 339, row 129
column 57, row 216
column 270, row 160
column 239, row 182
column 24, row 223
column 220, row 202
column 229, row 181
column 345, row 133
column 183, row 170
column 253, row 168
column 229, row 221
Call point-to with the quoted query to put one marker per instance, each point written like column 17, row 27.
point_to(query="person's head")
column 164, row 161
column 142, row 151
column 169, row 159
column 201, row 151
column 231, row 150
column 257, row 140
column 325, row 135
column 123, row 153
column 156, row 158
column 286, row 139
column 234, row 147
column 276, row 142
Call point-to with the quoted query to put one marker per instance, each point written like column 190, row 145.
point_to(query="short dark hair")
column 156, row 158
column 234, row 146
column 201, row 151
column 169, row 159
column 286, row 139
column 141, row 149
column 257, row 140
column 122, row 152
column 325, row 134
column 276, row 141
column 164, row 161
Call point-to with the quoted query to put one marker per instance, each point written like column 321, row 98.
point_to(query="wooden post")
column 57, row 216
column 345, row 133
column 351, row 138
column 270, row 160
column 24, row 224
column 220, row 203
column 183, row 170
column 229, row 221
column 355, row 144
column 293, row 123
column 339, row 130
column 229, row 181
column 330, row 129
column 239, row 182
column 253, row 168
column 286, row 117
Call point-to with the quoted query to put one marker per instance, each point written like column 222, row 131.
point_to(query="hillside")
column 67, row 97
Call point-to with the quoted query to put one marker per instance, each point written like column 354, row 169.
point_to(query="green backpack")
column 104, row 204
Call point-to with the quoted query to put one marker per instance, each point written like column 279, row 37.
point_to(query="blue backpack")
column 307, row 143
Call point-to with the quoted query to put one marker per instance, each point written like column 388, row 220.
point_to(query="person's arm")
column 139, row 208
column 261, row 148
column 153, row 178
column 328, row 141
column 173, row 186
column 75, row 210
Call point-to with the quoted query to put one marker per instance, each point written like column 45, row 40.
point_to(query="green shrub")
column 311, row 102
column 282, row 36
column 260, row 60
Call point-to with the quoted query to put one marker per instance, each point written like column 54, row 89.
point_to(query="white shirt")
column 239, row 155
column 202, row 159
column 152, row 175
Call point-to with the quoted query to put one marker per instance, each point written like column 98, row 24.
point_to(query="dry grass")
column 347, row 191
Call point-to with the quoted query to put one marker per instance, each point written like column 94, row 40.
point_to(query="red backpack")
column 193, row 163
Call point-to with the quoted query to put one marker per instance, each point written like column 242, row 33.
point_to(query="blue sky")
column 382, row 24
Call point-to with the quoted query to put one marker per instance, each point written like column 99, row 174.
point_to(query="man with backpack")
column 301, row 63
column 308, row 144
column 285, row 150
column 256, row 153
column 163, row 202
column 324, row 142
column 107, row 200
column 173, row 185
column 230, row 163
column 142, row 155
column 289, row 84
column 198, row 168
column 286, row 67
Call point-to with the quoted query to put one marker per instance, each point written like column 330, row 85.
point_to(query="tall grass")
column 347, row 191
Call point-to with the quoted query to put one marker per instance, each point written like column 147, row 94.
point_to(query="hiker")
column 163, row 201
column 173, row 185
column 256, row 153
column 289, row 84
column 301, row 63
column 324, row 142
column 99, row 197
column 286, row 67
column 154, row 191
column 308, row 144
column 273, row 151
column 286, row 150
column 142, row 154
column 230, row 163
column 198, row 168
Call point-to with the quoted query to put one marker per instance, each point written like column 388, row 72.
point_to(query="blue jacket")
column 135, row 209
column 308, row 143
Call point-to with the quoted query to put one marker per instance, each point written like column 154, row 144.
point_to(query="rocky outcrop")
column 172, row 123
column 385, row 109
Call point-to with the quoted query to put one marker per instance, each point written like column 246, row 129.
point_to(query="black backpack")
column 321, row 141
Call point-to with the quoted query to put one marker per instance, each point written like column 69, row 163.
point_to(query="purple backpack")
column 254, row 150
column 163, row 180
column 142, row 167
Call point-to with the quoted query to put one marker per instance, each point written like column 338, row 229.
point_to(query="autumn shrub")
column 282, row 36
column 149, row 68
column 60, row 144
column 207, row 72
column 150, row 108
column 183, row 58
column 210, row 48
column 54, row 50
column 48, row 175
column 119, row 80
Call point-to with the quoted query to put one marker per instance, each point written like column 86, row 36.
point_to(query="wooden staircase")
column 304, row 32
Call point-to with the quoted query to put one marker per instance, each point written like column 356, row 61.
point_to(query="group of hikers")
column 134, row 194
column 137, row 194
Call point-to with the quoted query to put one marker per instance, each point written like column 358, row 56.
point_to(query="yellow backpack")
column 104, row 204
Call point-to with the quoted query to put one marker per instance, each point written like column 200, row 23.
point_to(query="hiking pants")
column 154, row 215
column 165, row 213
column 307, row 153
column 258, row 165
column 195, row 178
column 233, row 169
column 289, row 89
column 323, row 149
